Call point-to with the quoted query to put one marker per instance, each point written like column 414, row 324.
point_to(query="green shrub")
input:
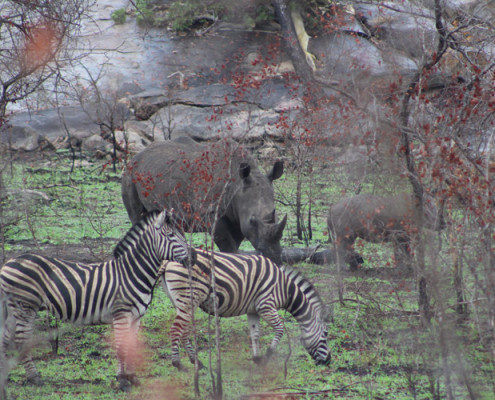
column 119, row 16
column 264, row 14
column 184, row 13
column 144, row 15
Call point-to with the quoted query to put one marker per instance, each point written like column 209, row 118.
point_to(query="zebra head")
column 170, row 240
column 314, row 339
column 315, row 333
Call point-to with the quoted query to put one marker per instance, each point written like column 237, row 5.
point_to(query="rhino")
column 379, row 219
column 200, row 181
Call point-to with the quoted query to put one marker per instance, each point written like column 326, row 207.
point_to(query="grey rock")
column 21, row 138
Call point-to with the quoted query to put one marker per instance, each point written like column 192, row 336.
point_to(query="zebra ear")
column 161, row 219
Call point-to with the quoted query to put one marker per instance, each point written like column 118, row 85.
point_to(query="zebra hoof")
column 134, row 380
column 259, row 360
column 200, row 365
column 125, row 385
column 35, row 380
column 127, row 381
column 179, row 366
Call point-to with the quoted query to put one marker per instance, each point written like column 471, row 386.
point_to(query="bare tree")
column 104, row 107
column 36, row 40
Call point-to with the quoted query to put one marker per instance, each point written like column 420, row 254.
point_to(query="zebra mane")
column 134, row 234
column 307, row 288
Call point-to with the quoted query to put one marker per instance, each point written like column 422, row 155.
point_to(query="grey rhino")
column 379, row 219
column 191, row 177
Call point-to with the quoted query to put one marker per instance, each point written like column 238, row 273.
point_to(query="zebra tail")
column 3, row 310
column 3, row 362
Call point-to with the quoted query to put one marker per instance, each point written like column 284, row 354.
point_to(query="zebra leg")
column 179, row 332
column 125, row 331
column 185, row 299
column 23, row 316
column 132, row 356
column 254, row 332
column 269, row 313
column 4, row 372
column 5, row 342
column 191, row 353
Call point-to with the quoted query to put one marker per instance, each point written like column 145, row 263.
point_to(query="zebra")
column 245, row 284
column 117, row 291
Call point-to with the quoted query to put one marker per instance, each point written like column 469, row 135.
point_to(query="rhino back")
column 369, row 216
column 181, row 174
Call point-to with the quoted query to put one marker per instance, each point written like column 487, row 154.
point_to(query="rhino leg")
column 354, row 259
column 346, row 253
column 403, row 254
column 130, row 197
column 227, row 236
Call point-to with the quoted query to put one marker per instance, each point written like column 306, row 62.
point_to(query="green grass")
column 82, row 204
column 379, row 348
column 85, row 365
column 84, row 207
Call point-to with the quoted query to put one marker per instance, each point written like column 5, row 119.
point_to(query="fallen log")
column 294, row 255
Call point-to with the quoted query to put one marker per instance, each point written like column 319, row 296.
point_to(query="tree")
column 36, row 41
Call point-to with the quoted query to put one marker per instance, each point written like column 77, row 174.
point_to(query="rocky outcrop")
column 194, row 85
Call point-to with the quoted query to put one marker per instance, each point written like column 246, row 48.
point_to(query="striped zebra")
column 116, row 291
column 251, row 285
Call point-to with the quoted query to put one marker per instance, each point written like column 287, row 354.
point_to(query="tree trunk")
column 291, row 42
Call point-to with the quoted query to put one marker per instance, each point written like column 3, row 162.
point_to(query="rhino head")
column 254, row 205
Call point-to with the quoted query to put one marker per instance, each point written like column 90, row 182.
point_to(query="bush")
column 183, row 14
column 144, row 14
column 119, row 16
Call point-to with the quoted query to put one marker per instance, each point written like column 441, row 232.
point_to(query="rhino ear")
column 276, row 171
column 244, row 170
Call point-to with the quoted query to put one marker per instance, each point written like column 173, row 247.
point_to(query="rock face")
column 218, row 84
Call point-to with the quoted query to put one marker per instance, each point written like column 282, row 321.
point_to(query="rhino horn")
column 270, row 217
column 277, row 230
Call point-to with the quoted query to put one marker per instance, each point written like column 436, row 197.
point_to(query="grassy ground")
column 379, row 349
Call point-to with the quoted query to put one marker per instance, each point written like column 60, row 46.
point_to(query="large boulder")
column 243, row 121
column 21, row 138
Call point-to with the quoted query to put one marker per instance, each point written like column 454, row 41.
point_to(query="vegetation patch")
column 379, row 347
column 119, row 16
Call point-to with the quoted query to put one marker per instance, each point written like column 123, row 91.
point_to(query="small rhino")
column 379, row 219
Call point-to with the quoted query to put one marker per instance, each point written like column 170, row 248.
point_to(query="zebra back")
column 242, row 280
column 134, row 234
